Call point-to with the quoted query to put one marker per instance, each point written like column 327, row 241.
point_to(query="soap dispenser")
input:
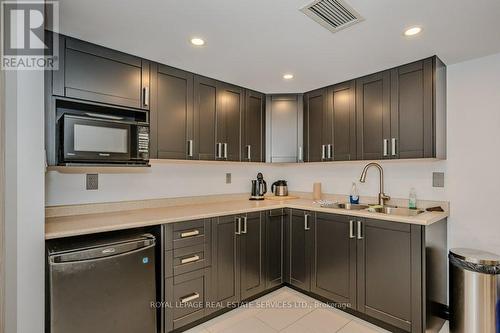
column 354, row 197
column 412, row 202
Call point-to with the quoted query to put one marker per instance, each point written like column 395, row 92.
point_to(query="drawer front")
column 186, row 295
column 187, row 259
column 189, row 233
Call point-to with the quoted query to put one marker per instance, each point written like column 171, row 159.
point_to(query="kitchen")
column 133, row 142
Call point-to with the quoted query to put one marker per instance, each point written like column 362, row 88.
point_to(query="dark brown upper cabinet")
column 171, row 113
column 205, row 117
column 95, row 73
column 230, row 106
column 316, row 136
column 253, row 127
column 373, row 115
column 334, row 258
column 415, row 115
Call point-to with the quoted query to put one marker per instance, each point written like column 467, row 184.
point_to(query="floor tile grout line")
column 265, row 324
column 350, row 321
column 299, row 318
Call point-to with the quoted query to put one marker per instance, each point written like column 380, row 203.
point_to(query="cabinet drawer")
column 189, row 233
column 187, row 259
column 186, row 295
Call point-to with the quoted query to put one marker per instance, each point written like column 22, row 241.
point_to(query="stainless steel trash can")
column 474, row 291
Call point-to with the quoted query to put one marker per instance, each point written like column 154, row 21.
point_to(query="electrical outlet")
column 228, row 178
column 438, row 179
column 92, row 181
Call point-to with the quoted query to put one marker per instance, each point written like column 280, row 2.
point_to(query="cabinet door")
column 103, row 75
column 172, row 113
column 389, row 278
column 252, row 255
column 253, row 132
column 225, row 262
column 373, row 116
column 343, row 113
column 334, row 258
column 412, row 133
column 300, row 237
column 284, row 128
column 230, row 101
column 318, row 125
column 205, row 113
column 274, row 247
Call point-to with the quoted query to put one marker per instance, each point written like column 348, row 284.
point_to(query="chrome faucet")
column 382, row 197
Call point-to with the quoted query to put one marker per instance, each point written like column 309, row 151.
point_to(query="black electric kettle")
column 280, row 188
column 259, row 188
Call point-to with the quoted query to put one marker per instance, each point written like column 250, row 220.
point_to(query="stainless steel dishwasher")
column 102, row 285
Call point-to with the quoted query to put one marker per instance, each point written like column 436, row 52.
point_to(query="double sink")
column 388, row 210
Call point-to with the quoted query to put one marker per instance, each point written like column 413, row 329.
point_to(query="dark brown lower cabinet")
column 252, row 254
column 275, row 237
column 334, row 259
column 299, row 249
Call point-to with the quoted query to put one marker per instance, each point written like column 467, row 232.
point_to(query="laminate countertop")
column 88, row 223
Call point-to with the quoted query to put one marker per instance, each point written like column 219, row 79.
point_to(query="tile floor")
column 287, row 311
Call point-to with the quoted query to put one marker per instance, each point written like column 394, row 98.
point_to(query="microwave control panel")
column 143, row 140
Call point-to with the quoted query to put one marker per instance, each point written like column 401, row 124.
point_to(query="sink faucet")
column 382, row 197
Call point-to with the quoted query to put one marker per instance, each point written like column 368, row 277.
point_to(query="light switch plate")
column 92, row 181
column 438, row 179
column 228, row 178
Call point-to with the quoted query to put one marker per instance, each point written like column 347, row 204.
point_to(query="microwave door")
column 96, row 140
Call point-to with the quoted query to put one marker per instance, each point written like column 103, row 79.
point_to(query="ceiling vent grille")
column 334, row 15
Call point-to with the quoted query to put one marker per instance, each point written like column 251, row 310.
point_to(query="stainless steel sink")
column 345, row 205
column 398, row 211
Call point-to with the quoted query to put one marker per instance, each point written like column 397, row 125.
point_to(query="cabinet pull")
column 238, row 226
column 145, row 96
column 301, row 158
column 323, row 152
column 190, row 259
column 330, row 151
column 249, row 153
column 244, row 229
column 393, row 146
column 190, row 233
column 225, row 150
column 189, row 298
column 190, row 148
column 218, row 150
column 306, row 222
column 360, row 233
column 385, row 147
column 351, row 229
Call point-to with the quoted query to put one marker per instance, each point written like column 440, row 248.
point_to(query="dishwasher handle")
column 102, row 252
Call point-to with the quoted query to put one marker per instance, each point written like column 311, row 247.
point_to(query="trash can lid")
column 476, row 256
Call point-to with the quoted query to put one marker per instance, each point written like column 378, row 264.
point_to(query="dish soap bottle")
column 354, row 197
column 412, row 203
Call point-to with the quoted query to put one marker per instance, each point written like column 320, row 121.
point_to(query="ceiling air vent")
column 332, row 14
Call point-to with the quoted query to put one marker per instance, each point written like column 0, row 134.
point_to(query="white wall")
column 24, row 202
column 471, row 183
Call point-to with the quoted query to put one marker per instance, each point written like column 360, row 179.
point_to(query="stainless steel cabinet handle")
column 190, row 259
column 244, row 229
column 393, row 146
column 385, row 147
column 145, row 96
column 360, row 232
column 190, row 233
column 301, row 157
column 306, row 222
column 238, row 225
column 351, row 229
column 249, row 152
column 225, row 149
column 323, row 151
column 190, row 148
column 189, row 298
column 330, row 151
column 218, row 150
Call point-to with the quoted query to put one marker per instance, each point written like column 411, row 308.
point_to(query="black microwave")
column 94, row 138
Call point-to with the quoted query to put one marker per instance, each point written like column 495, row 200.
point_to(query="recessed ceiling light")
column 288, row 76
column 412, row 31
column 197, row 41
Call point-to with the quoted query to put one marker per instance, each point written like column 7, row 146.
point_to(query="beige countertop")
column 88, row 223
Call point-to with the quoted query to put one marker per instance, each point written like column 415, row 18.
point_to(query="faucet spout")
column 382, row 197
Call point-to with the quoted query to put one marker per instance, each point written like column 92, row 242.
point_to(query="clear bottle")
column 354, row 197
column 412, row 203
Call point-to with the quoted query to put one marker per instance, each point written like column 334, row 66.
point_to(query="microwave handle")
column 103, row 116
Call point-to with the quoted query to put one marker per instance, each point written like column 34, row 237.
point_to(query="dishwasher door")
column 104, row 289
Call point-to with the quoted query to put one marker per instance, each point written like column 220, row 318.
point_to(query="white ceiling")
column 253, row 42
